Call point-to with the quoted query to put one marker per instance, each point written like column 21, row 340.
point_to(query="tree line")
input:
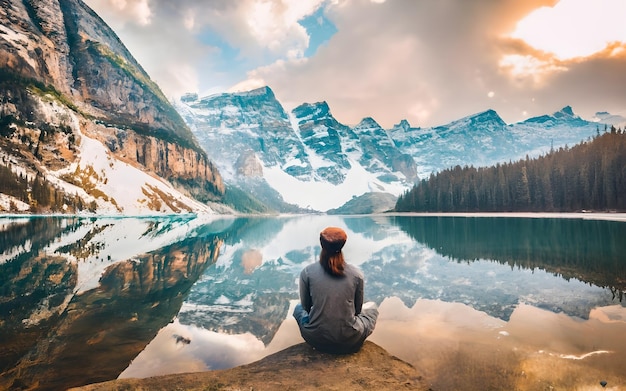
column 39, row 194
column 589, row 176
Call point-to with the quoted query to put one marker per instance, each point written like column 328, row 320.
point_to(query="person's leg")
column 368, row 316
column 302, row 317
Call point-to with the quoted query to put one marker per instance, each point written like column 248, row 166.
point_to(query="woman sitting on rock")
column 330, row 314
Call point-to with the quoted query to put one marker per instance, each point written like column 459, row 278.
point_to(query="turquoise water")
column 150, row 296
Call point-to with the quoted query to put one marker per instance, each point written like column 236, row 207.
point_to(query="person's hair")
column 332, row 240
column 332, row 263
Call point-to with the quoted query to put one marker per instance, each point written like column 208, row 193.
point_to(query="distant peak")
column 488, row 116
column 314, row 106
column 308, row 111
column 189, row 97
column 404, row 124
column 368, row 122
column 567, row 110
column 259, row 91
column 488, row 119
column 488, row 113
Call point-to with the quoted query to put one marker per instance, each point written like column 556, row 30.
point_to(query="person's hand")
column 369, row 304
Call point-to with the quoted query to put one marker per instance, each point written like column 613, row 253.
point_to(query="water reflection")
column 58, row 332
column 457, row 347
column 591, row 250
column 194, row 294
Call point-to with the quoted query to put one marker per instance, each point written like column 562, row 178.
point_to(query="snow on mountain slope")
column 65, row 76
column 307, row 156
column 115, row 186
column 378, row 153
column 537, row 135
column 321, row 135
column 474, row 140
column 128, row 189
column 484, row 139
column 250, row 135
column 322, row 196
column 231, row 125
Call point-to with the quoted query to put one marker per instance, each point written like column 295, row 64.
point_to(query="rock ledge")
column 298, row 367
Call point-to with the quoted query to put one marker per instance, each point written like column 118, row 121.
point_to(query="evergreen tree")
column 590, row 176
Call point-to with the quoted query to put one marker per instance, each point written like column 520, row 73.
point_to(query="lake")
column 474, row 302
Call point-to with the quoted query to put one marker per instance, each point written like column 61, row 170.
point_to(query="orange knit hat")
column 332, row 239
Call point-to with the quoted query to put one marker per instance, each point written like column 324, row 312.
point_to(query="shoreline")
column 603, row 216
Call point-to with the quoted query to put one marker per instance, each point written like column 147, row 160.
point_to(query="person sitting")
column 330, row 314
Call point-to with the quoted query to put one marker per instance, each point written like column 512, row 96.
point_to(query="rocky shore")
column 298, row 367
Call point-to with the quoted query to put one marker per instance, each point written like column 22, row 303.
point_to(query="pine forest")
column 590, row 176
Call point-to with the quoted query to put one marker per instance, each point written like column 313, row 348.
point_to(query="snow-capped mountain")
column 380, row 154
column 485, row 139
column 309, row 159
column 253, row 121
column 306, row 158
column 322, row 135
column 537, row 135
column 475, row 140
column 83, row 127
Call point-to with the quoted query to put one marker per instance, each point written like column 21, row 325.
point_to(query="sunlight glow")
column 528, row 67
column 574, row 28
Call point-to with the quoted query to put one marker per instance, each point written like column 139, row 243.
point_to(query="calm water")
column 472, row 302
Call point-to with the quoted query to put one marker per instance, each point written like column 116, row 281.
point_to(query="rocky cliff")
column 66, row 77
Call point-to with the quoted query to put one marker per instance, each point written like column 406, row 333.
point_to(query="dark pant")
column 302, row 317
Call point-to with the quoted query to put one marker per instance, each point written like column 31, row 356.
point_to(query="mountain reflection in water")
column 54, row 334
column 194, row 294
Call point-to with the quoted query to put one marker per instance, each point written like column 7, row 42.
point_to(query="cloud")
column 435, row 62
column 569, row 53
column 552, row 39
column 267, row 27
column 528, row 69
column 424, row 61
column 125, row 11
column 593, row 84
column 429, row 62
column 191, row 45
column 577, row 28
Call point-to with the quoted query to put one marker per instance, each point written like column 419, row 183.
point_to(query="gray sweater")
column 333, row 304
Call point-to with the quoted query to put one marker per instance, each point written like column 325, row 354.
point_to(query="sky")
column 428, row 61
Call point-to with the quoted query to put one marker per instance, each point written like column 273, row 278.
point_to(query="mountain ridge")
column 349, row 161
